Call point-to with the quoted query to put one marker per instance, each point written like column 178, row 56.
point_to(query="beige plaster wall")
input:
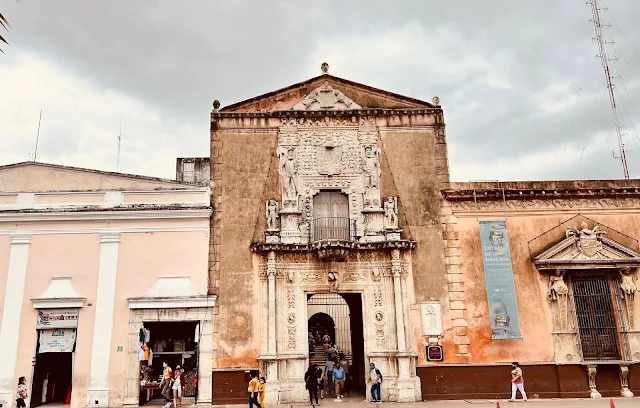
column 240, row 164
column 531, row 286
column 142, row 258
column 74, row 255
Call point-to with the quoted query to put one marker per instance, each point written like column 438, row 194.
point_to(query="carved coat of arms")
column 588, row 241
column 329, row 157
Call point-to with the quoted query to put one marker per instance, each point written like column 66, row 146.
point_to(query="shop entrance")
column 338, row 315
column 53, row 368
column 174, row 343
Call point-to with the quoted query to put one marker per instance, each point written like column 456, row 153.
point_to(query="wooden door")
column 331, row 216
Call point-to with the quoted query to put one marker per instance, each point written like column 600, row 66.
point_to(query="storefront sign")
column 498, row 274
column 434, row 353
column 57, row 341
column 57, row 318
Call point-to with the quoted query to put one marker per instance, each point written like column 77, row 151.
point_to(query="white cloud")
column 80, row 123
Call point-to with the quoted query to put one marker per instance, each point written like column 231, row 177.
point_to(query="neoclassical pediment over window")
column 587, row 245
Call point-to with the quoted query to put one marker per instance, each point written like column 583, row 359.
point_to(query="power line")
column 119, row 143
column 604, row 58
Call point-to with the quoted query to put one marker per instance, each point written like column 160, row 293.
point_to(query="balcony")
column 333, row 237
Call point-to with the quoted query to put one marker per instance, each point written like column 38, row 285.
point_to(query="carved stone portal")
column 591, row 372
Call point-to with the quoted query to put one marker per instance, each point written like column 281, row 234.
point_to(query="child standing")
column 262, row 386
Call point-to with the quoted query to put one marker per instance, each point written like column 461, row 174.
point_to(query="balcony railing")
column 332, row 228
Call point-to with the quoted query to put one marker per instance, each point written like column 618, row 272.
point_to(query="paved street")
column 541, row 403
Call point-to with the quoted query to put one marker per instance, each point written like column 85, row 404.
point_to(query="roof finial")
column 324, row 68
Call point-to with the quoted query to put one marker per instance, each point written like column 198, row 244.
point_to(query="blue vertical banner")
column 498, row 275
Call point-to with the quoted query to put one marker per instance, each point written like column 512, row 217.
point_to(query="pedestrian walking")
column 21, row 393
column 344, row 363
column 321, row 376
column 375, row 379
column 332, row 352
column 262, row 388
column 338, row 376
column 517, row 381
column 177, row 389
column 330, row 365
column 166, row 383
column 252, row 391
column 311, row 383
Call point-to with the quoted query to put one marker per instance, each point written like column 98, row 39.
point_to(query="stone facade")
column 273, row 158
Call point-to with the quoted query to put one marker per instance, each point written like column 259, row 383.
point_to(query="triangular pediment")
column 346, row 95
column 587, row 246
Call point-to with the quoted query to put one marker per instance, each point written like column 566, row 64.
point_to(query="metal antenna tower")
column 119, row 143
column 604, row 58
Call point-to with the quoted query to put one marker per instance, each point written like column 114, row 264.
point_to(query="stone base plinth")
column 97, row 398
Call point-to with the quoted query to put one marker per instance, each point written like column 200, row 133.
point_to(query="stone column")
column 98, row 392
column 11, row 316
column 271, row 279
column 396, row 269
column 406, row 391
column 205, row 358
column 273, row 389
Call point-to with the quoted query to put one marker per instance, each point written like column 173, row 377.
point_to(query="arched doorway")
column 322, row 323
column 340, row 314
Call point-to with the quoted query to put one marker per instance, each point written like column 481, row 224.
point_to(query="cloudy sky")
column 524, row 95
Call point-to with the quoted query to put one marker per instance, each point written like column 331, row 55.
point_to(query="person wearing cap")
column 177, row 388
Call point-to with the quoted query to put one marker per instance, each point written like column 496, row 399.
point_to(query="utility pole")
column 604, row 58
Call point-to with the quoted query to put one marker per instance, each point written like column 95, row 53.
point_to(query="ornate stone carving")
column 629, row 289
column 291, row 298
column 377, row 296
column 371, row 173
column 291, row 338
column 591, row 373
column 588, row 241
column 624, row 382
column 272, row 214
column 378, row 316
column 326, row 98
column 329, row 157
column 376, row 274
column 549, row 204
column 311, row 277
column 558, row 292
column 380, row 337
column 291, row 319
column 355, row 277
column 333, row 281
column 391, row 213
column 290, row 277
column 288, row 170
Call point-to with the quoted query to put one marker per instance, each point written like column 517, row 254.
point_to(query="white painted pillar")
column 98, row 392
column 11, row 317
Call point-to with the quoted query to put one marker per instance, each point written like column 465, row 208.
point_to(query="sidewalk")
column 540, row 403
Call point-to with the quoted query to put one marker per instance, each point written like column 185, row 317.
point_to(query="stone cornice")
column 515, row 196
column 356, row 246
column 323, row 113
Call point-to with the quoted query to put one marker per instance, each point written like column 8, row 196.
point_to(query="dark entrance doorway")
column 52, row 378
column 343, row 311
column 598, row 327
column 322, row 323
